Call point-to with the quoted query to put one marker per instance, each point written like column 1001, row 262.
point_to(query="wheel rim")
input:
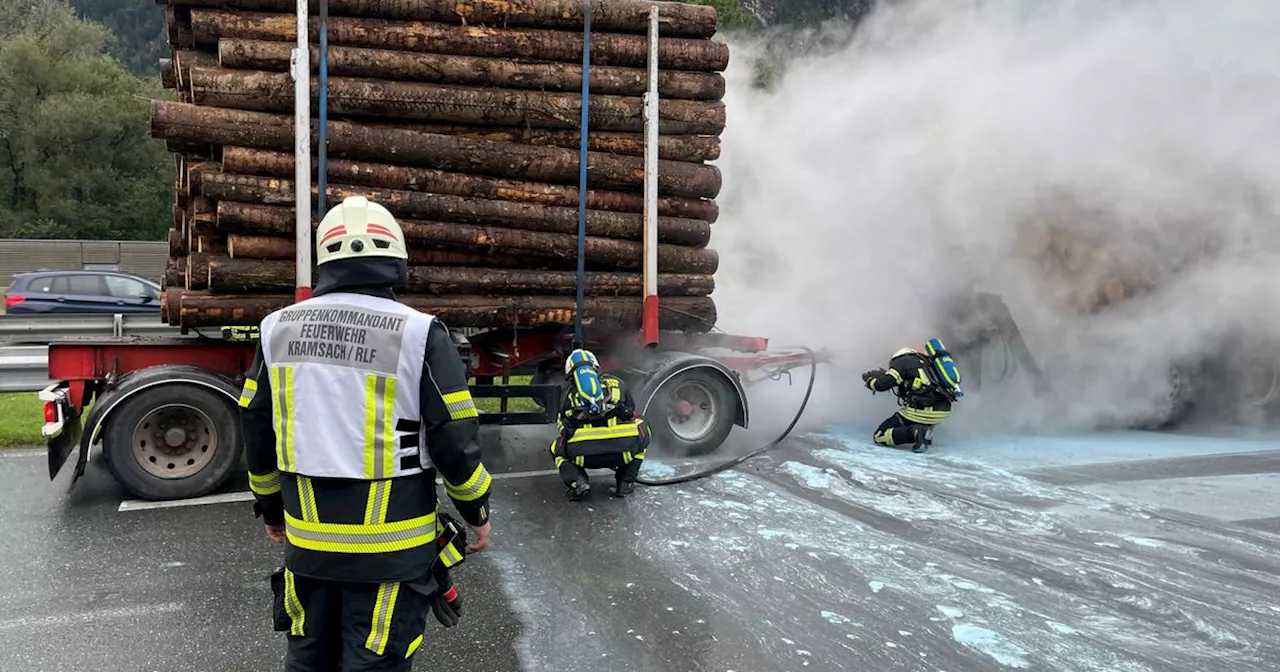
column 174, row 441
column 692, row 412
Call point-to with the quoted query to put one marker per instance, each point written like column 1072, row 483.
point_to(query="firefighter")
column 599, row 428
column 926, row 385
column 352, row 405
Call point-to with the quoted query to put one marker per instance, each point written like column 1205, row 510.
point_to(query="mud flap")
column 60, row 446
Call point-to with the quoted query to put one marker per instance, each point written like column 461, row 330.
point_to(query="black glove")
column 870, row 376
column 446, row 604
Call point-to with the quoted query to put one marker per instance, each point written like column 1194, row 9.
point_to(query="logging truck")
column 164, row 409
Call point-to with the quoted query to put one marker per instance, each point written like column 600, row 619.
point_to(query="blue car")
column 43, row 291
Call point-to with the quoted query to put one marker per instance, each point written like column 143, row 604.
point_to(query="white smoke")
column 871, row 184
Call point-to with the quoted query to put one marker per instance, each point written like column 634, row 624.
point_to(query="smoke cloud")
column 947, row 146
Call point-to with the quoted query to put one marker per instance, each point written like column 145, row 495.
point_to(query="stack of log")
column 461, row 117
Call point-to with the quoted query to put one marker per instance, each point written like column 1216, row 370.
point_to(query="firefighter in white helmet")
column 353, row 404
column 926, row 384
column 599, row 428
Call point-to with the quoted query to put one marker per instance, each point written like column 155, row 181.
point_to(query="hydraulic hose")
column 813, row 374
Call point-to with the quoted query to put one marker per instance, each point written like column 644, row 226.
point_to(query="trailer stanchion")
column 649, row 333
column 582, row 170
column 322, row 149
column 302, row 153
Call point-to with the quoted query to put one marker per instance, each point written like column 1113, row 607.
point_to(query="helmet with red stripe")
column 358, row 228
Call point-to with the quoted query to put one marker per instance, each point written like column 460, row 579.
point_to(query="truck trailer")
column 164, row 409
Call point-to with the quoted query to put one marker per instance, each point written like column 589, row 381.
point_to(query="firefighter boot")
column 623, row 486
column 924, row 438
column 580, row 488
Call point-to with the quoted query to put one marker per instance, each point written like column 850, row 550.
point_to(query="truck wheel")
column 692, row 414
column 173, row 442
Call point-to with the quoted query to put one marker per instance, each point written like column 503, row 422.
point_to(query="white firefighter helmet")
column 357, row 228
column 905, row 351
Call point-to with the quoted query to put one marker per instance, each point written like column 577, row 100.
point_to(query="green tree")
column 137, row 28
column 75, row 157
column 731, row 16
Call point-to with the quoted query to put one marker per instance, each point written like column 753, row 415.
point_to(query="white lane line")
column 247, row 496
column 43, row 623
column 221, row 498
column 22, row 452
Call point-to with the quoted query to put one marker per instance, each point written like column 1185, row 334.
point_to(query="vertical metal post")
column 649, row 334
column 302, row 153
column 582, row 171
column 322, row 163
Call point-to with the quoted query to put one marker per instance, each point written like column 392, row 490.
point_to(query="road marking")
column 247, row 496
column 22, row 452
column 88, row 617
column 221, row 498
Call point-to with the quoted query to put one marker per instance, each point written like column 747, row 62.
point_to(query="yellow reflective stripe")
column 375, row 510
column 626, row 457
column 281, row 413
column 450, row 556
column 248, row 392
column 293, row 605
column 380, row 626
column 307, row 498
column 265, row 484
column 580, row 460
column 357, row 538
column 893, row 373
column 413, row 646
column 379, row 438
column 924, row 416
column 597, row 433
column 460, row 404
column 474, row 488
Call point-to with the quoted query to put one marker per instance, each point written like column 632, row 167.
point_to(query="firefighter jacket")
column 922, row 401
column 616, row 429
column 351, row 406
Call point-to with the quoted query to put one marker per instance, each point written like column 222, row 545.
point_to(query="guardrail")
column 41, row 329
column 24, row 368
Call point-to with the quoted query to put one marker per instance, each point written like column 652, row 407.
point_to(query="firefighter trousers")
column 338, row 626
column 898, row 431
column 624, row 456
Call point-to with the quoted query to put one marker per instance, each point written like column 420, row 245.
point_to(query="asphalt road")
column 828, row 554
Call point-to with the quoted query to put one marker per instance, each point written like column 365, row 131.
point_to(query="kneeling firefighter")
column 354, row 401
column 926, row 384
column 599, row 428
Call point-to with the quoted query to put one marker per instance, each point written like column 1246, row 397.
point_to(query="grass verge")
column 21, row 417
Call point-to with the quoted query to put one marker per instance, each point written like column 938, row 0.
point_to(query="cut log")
column 674, row 53
column 175, row 272
column 619, row 254
column 256, row 276
column 177, row 243
column 473, row 71
column 218, row 126
column 195, row 172
column 198, row 309
column 462, row 209
column 197, row 271
column 211, row 244
column 691, row 148
column 444, row 103
column 171, row 306
column 184, row 60
column 271, row 220
column 178, row 27
column 677, row 19
column 167, row 78
column 267, row 163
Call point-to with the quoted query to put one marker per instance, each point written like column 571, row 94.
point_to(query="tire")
column 714, row 406
column 208, row 451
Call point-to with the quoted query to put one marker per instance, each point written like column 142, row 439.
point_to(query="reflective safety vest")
column 346, row 370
